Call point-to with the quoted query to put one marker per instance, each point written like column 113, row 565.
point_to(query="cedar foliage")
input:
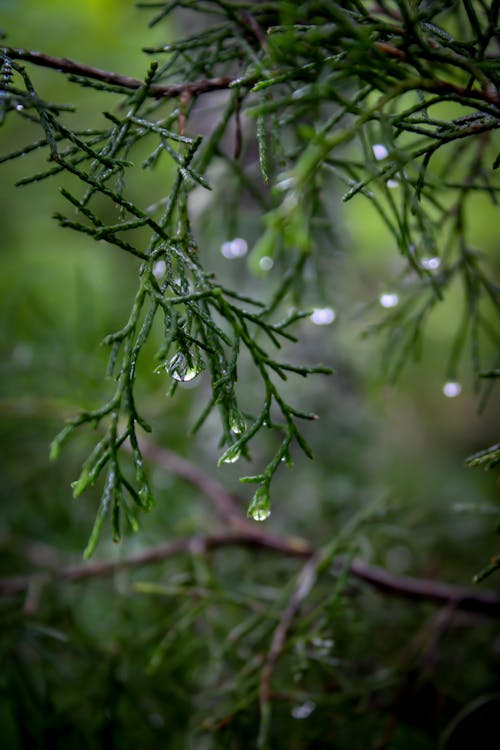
column 396, row 105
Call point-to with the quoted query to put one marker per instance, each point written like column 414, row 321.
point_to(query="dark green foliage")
column 331, row 80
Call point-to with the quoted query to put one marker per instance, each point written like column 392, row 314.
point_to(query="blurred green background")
column 403, row 444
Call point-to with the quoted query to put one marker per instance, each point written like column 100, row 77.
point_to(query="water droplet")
column 392, row 184
column 236, row 248
column 452, row 389
column 180, row 369
column 237, row 424
column 231, row 456
column 240, row 247
column 260, row 514
column 159, row 269
column 303, row 710
column 260, row 505
column 430, row 264
column 266, row 263
column 379, row 151
column 19, row 107
column 322, row 316
column 389, row 299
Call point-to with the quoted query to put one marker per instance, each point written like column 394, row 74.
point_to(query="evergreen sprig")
column 382, row 99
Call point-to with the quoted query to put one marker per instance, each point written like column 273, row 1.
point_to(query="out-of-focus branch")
column 416, row 589
column 228, row 506
column 182, row 545
column 305, row 582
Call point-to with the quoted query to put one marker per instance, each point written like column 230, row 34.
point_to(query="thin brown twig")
column 182, row 545
column 71, row 67
column 416, row 589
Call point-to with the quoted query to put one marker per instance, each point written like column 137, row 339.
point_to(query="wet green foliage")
column 314, row 80
column 297, row 126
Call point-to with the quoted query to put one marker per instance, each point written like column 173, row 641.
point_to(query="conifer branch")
column 370, row 75
column 71, row 67
column 489, row 95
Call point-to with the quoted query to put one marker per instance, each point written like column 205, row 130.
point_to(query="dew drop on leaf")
column 231, row 456
column 260, row 505
column 181, row 370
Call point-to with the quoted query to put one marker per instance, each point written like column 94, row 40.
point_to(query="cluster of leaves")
column 315, row 86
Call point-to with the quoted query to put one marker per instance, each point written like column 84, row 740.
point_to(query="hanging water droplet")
column 231, row 456
column 260, row 505
column 19, row 107
column 389, row 299
column 266, row 263
column 392, row 184
column 237, row 424
column 452, row 389
column 181, row 370
column 260, row 514
column 236, row 248
column 379, row 151
column 159, row 269
column 430, row 264
column 322, row 316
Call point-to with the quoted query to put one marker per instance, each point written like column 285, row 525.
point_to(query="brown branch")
column 71, row 67
column 204, row 86
column 190, row 545
column 439, row 86
column 415, row 589
column 425, row 590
